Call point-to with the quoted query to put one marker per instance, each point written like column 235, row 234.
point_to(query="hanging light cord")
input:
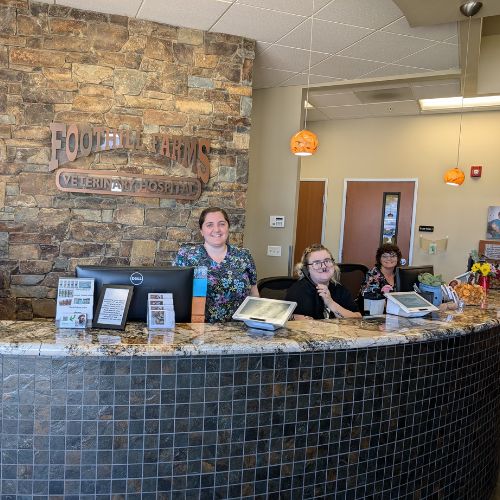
column 309, row 70
column 463, row 89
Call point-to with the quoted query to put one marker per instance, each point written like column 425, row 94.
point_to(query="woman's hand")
column 336, row 309
column 300, row 317
column 324, row 293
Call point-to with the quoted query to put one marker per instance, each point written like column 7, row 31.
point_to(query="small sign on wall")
column 426, row 229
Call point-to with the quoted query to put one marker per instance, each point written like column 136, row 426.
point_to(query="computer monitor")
column 406, row 277
column 175, row 280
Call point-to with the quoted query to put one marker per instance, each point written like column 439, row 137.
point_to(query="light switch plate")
column 274, row 251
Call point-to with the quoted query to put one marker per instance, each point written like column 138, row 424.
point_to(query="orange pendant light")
column 304, row 143
column 454, row 177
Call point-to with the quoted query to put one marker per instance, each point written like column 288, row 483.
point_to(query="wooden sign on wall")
column 73, row 141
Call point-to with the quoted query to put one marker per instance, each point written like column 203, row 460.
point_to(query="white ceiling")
column 354, row 42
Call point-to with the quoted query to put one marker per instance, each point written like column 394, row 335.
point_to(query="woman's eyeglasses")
column 389, row 255
column 318, row 264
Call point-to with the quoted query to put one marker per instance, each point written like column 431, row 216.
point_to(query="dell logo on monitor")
column 136, row 278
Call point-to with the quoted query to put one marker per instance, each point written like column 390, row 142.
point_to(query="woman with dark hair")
column 318, row 292
column 380, row 279
column 231, row 271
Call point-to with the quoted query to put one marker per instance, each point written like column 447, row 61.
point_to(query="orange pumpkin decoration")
column 304, row 143
column 454, row 177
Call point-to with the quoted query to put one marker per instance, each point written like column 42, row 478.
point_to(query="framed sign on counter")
column 112, row 308
column 490, row 249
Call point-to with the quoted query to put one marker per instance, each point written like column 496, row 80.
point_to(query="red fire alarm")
column 475, row 171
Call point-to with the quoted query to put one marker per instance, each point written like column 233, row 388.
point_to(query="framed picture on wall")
column 390, row 216
column 493, row 224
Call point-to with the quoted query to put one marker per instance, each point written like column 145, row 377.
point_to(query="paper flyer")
column 161, row 312
column 75, row 303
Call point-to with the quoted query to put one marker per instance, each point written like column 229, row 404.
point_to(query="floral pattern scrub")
column 375, row 284
column 229, row 282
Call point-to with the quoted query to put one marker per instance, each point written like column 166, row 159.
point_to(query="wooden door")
column 363, row 219
column 309, row 216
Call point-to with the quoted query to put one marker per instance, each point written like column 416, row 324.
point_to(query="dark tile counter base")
column 406, row 421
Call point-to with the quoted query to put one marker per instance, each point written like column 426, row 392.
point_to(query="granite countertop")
column 43, row 338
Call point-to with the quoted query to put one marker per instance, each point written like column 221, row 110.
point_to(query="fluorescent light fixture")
column 456, row 102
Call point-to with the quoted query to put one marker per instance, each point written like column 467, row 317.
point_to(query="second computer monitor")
column 406, row 277
column 175, row 280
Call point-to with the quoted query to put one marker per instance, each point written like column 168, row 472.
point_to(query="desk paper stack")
column 161, row 312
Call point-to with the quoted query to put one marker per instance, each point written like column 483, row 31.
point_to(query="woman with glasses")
column 318, row 292
column 381, row 278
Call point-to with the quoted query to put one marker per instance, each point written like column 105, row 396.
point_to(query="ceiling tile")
column 344, row 67
column 197, row 14
column 436, row 90
column 259, row 24
column 452, row 39
column 127, row 8
column 366, row 13
column 300, row 7
column 265, row 77
column 437, row 32
column 327, row 36
column 301, row 79
column 395, row 70
column 261, row 47
column 386, row 47
column 287, row 58
column 441, row 56
column 337, row 99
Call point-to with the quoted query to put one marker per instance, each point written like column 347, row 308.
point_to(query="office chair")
column 352, row 277
column 275, row 287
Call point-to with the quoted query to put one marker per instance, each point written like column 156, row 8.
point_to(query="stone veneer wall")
column 73, row 66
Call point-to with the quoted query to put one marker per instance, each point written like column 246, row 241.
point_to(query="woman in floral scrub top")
column 231, row 271
column 382, row 278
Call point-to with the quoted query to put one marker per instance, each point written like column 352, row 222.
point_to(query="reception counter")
column 382, row 407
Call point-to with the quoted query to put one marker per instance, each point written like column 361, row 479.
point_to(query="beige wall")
column 421, row 147
column 273, row 175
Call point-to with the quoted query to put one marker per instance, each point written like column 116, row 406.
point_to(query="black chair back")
column 275, row 287
column 352, row 277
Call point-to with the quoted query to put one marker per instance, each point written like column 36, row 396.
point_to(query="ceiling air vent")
column 384, row 95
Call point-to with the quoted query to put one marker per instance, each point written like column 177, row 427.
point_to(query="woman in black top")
column 318, row 293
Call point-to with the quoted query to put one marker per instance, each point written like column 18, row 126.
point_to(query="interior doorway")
column 311, row 213
column 376, row 211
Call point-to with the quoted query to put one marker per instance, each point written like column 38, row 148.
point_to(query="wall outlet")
column 273, row 251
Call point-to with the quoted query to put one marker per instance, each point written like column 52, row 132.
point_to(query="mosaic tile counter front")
column 378, row 408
